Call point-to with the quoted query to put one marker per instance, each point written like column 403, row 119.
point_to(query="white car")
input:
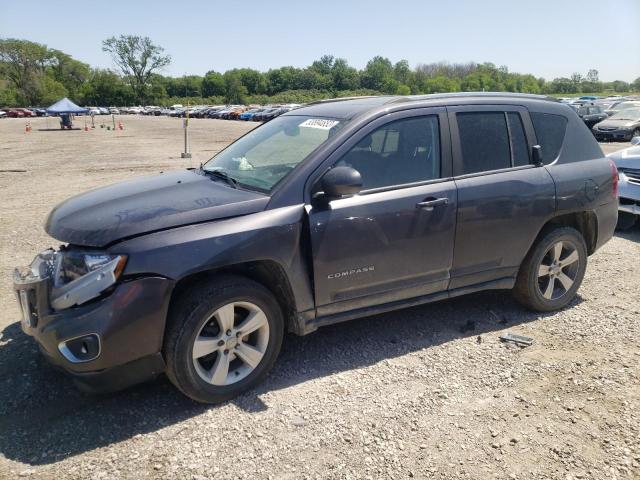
column 3, row 114
column 114, row 111
column 628, row 163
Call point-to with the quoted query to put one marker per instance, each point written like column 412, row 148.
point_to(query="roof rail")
column 343, row 99
column 414, row 98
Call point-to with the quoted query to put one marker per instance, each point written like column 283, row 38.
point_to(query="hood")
column 617, row 123
column 626, row 158
column 102, row 216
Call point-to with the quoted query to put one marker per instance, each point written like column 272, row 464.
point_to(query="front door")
column 395, row 239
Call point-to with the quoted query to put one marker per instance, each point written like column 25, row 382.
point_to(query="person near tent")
column 65, row 121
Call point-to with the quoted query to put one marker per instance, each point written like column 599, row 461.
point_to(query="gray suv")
column 337, row 210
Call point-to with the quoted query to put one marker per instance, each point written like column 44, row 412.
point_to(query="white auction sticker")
column 321, row 123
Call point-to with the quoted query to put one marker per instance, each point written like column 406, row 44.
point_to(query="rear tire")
column 212, row 351
column 552, row 271
column 626, row 220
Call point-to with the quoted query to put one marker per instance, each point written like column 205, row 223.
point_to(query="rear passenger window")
column 519, row 147
column 550, row 130
column 485, row 141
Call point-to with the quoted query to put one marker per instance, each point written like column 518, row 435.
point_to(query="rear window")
column 484, row 139
column 550, row 130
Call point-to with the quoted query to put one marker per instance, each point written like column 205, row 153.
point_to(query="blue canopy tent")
column 65, row 108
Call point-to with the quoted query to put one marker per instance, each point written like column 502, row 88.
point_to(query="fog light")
column 81, row 349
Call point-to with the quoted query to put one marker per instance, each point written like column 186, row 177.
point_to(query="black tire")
column 187, row 316
column 626, row 220
column 527, row 289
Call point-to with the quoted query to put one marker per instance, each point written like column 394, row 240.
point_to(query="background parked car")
column 591, row 114
column 248, row 115
column 40, row 112
column 3, row 114
column 628, row 163
column 27, row 112
column 15, row 113
column 619, row 106
column 623, row 125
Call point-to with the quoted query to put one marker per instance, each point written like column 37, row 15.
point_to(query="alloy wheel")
column 231, row 343
column 558, row 270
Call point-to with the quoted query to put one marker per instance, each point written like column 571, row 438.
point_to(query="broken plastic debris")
column 517, row 339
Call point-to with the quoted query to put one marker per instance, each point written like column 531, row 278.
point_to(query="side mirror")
column 635, row 141
column 536, row 155
column 341, row 182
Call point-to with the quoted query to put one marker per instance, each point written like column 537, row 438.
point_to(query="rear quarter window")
column 550, row 130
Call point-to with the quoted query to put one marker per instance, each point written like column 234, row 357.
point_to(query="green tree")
column 344, row 77
column 138, row 58
column 235, row 91
column 402, row 72
column 378, row 74
column 310, row 79
column 69, row 72
column 253, row 80
column 105, row 87
column 24, row 66
column 213, row 84
column 324, row 65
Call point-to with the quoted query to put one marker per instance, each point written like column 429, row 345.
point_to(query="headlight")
column 72, row 265
column 80, row 276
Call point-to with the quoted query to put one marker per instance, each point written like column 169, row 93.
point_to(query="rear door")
column 394, row 240
column 503, row 200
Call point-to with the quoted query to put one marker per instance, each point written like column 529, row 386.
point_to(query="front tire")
column 222, row 338
column 552, row 271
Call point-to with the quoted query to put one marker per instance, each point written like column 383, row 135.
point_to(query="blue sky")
column 548, row 38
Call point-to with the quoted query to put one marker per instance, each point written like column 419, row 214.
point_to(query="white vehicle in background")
column 114, row 111
column 3, row 114
column 94, row 111
column 628, row 163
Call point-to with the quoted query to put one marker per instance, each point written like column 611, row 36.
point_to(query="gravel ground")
column 427, row 392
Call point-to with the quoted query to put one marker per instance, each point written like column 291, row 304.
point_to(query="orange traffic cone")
column 120, row 125
column 27, row 127
column 86, row 128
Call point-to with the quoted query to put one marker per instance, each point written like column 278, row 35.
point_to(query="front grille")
column 607, row 129
column 632, row 174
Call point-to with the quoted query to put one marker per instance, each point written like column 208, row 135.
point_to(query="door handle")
column 431, row 203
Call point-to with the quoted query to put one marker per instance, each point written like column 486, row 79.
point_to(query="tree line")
column 31, row 74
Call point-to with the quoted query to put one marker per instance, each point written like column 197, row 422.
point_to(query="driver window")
column 400, row 152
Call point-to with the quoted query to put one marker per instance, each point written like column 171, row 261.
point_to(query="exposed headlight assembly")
column 80, row 276
column 74, row 276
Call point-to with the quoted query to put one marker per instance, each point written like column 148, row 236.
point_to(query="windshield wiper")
column 223, row 175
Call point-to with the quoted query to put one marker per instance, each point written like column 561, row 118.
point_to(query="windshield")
column 264, row 156
column 625, row 105
column 627, row 114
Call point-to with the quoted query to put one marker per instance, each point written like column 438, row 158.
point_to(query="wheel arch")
column 585, row 222
column 269, row 273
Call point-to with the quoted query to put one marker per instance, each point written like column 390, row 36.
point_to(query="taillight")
column 614, row 178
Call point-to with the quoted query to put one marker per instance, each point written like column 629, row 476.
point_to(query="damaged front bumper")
column 107, row 333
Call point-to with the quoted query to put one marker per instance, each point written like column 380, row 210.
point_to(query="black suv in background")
column 337, row 210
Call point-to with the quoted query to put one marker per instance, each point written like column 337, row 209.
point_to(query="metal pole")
column 186, row 153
